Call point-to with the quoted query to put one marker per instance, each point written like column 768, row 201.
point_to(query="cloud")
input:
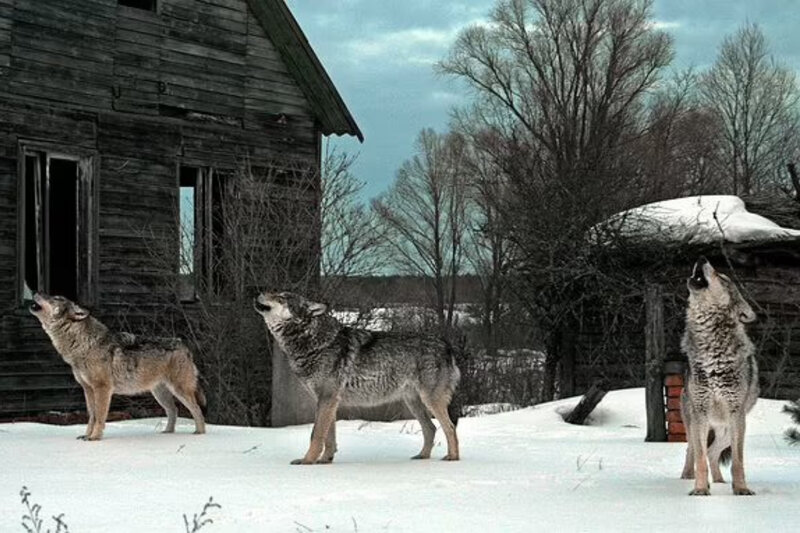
column 419, row 45
column 665, row 24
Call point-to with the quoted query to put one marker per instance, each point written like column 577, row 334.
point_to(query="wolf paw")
column 450, row 458
column 422, row 456
column 687, row 476
column 82, row 437
column 743, row 492
column 302, row 462
column 325, row 461
column 700, row 492
column 719, row 480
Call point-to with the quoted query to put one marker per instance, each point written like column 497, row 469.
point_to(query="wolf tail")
column 459, row 355
column 200, row 398
column 726, row 453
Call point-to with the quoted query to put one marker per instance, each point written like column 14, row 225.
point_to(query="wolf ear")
column 77, row 313
column 745, row 313
column 317, row 309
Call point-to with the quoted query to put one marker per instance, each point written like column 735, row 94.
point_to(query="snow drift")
column 525, row 470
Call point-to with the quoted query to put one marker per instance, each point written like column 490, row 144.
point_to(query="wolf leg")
column 417, row 409
column 325, row 417
column 721, row 442
column 88, row 395
column 186, row 395
column 102, row 402
column 738, row 425
column 438, row 407
column 688, row 464
column 166, row 400
column 699, row 435
column 330, row 445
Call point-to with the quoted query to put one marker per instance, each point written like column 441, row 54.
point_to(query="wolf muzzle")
column 261, row 308
column 698, row 279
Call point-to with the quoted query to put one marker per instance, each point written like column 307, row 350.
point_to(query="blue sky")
column 380, row 54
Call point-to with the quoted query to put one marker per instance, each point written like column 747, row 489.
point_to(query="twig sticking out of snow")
column 31, row 521
column 199, row 521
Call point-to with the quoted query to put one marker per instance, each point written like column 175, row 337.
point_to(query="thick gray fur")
column 349, row 366
column 105, row 363
column 722, row 379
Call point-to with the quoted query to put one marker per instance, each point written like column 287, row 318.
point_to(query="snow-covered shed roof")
column 698, row 220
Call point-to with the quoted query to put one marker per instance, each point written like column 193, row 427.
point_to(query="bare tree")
column 678, row 148
column 351, row 236
column 756, row 99
column 563, row 84
column 487, row 247
column 424, row 218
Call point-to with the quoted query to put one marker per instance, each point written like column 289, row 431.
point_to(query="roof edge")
column 329, row 107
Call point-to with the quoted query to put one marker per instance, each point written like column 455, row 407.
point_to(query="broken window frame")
column 86, row 233
column 209, row 188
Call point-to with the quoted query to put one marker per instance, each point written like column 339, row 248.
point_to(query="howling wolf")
column 349, row 366
column 722, row 379
column 104, row 363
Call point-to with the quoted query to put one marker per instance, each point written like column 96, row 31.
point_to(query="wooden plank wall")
column 613, row 349
column 198, row 82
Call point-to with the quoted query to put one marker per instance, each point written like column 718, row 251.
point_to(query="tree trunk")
column 795, row 180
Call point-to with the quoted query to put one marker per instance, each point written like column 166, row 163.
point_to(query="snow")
column 699, row 220
column 386, row 318
column 524, row 470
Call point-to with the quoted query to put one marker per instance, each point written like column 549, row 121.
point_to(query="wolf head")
column 709, row 289
column 56, row 310
column 284, row 307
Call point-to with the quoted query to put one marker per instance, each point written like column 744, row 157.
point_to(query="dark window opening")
column 149, row 5
column 62, row 227
column 53, row 220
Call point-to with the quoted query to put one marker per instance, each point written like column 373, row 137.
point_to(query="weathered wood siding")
column 611, row 345
column 197, row 82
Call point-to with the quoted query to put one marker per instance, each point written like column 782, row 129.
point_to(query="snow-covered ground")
column 520, row 471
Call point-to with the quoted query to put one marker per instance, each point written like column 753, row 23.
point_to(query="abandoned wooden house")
column 635, row 341
column 110, row 110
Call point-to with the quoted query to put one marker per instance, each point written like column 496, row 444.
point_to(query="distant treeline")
column 361, row 291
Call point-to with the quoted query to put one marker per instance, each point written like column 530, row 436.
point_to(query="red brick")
column 676, row 437
column 674, row 392
column 673, row 380
column 673, row 404
column 674, row 416
column 676, row 427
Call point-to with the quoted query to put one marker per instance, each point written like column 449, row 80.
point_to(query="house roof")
column 304, row 65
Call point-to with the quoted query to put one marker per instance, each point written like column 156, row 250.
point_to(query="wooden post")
column 587, row 404
column 655, row 348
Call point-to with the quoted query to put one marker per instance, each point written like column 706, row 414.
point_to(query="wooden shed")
column 107, row 109
column 635, row 341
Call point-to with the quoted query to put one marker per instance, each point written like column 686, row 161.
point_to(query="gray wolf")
column 348, row 366
column 722, row 378
column 105, row 363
